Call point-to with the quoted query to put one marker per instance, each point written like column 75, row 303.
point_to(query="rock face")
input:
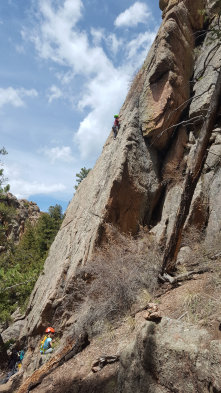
column 13, row 331
column 25, row 210
column 205, row 74
column 170, row 357
column 122, row 189
column 125, row 186
column 167, row 72
column 163, row 230
column 138, row 180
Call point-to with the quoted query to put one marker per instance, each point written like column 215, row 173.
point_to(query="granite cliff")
column 138, row 181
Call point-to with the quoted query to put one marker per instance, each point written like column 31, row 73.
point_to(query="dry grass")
column 118, row 275
column 203, row 250
column 201, row 306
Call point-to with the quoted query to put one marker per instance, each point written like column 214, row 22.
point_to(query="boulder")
column 214, row 222
column 164, row 228
column 163, row 4
column 198, row 212
column 214, row 157
column 183, row 255
column 13, row 331
column 16, row 316
column 170, row 357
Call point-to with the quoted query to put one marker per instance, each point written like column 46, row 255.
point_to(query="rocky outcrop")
column 13, row 331
column 138, row 180
column 125, row 186
column 121, row 189
column 170, row 357
column 167, row 71
column 24, row 210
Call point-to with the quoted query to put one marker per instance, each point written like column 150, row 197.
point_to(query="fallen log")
column 173, row 280
column 102, row 361
column 56, row 361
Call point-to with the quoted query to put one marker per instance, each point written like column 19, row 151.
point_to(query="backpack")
column 42, row 345
column 22, row 354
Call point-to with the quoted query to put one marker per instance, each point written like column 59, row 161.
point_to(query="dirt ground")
column 198, row 298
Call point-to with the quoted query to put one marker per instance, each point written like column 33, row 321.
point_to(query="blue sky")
column 64, row 73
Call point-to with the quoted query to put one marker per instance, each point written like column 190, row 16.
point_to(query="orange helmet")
column 49, row 329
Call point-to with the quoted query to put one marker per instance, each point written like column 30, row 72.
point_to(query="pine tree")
column 82, row 175
column 6, row 212
column 22, row 265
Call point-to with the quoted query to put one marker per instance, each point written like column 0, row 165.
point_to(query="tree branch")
column 173, row 280
column 18, row 285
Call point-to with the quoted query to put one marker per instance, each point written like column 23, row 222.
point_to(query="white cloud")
column 55, row 38
column 55, row 93
column 20, row 48
column 113, row 43
column 65, row 77
column 14, row 97
column 58, row 154
column 23, row 188
column 143, row 41
column 111, row 40
column 98, row 35
column 137, row 13
column 104, row 94
column 103, row 86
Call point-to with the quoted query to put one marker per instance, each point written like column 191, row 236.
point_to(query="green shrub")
column 8, row 343
column 21, row 266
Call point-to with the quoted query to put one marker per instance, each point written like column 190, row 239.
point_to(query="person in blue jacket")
column 46, row 344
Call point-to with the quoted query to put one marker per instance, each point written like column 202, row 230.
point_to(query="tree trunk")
column 192, row 177
column 3, row 353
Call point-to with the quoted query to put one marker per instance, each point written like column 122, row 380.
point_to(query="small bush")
column 114, row 279
column 8, row 343
column 203, row 251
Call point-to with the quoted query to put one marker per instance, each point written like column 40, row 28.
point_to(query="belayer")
column 116, row 125
column 46, row 344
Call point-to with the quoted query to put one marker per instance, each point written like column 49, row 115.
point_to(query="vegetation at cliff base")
column 6, row 212
column 21, row 265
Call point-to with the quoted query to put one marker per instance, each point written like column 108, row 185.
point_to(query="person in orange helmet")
column 46, row 344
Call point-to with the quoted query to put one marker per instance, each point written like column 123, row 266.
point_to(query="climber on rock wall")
column 46, row 344
column 116, row 125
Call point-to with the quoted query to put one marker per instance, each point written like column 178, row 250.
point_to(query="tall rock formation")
column 138, row 179
column 129, row 184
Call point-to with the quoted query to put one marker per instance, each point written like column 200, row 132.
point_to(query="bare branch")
column 173, row 280
column 18, row 285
